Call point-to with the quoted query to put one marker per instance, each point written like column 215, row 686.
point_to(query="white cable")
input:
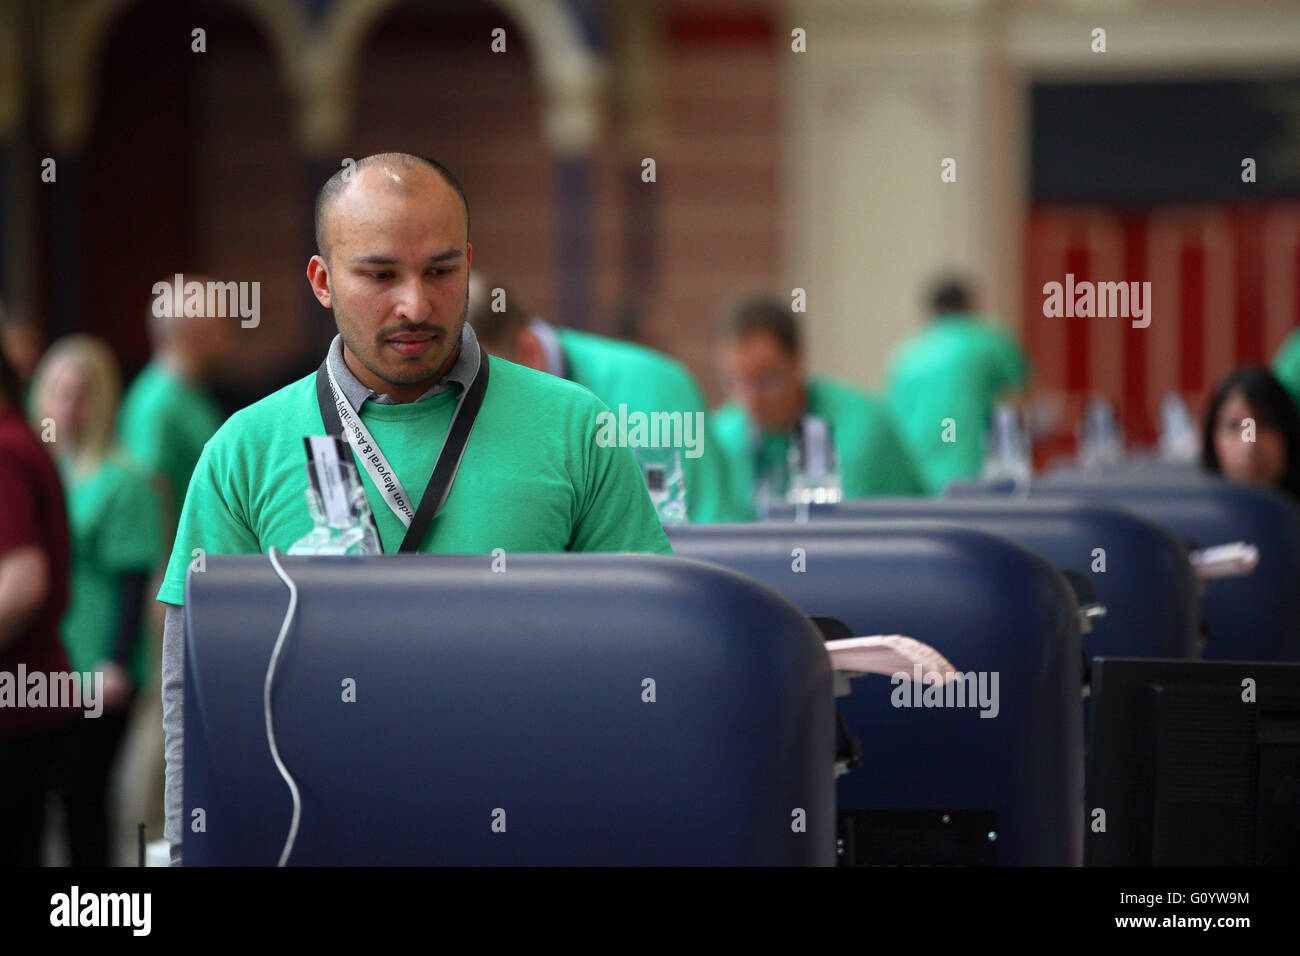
column 266, row 705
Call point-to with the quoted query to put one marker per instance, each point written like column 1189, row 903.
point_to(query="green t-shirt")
column 115, row 528
column 533, row 477
column 873, row 459
column 955, row 369
column 163, row 424
column 1286, row 365
column 623, row 373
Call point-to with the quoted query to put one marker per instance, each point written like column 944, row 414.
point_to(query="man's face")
column 766, row 379
column 397, row 276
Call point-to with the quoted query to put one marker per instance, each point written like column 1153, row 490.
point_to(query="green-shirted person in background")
column 1286, row 365
column 167, row 413
column 116, row 543
column 393, row 266
column 945, row 382
column 619, row 374
column 773, row 398
column 167, row 416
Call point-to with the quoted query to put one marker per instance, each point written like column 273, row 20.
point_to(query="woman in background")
column 114, row 520
column 33, row 595
column 1252, row 432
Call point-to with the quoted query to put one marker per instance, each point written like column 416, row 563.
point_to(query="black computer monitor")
column 1193, row 763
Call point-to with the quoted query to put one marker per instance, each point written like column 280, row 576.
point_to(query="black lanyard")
column 453, row 449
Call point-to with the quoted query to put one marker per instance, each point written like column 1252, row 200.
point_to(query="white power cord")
column 266, row 706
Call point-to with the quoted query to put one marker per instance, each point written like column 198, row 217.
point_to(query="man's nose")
column 414, row 303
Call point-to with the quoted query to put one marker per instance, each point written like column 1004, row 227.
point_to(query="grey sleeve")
column 173, row 701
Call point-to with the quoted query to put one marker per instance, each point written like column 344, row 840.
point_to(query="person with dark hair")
column 532, row 471
column 945, row 382
column 33, row 595
column 1252, row 432
column 773, row 400
column 951, row 295
column 621, row 374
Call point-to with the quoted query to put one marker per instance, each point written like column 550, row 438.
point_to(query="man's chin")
column 415, row 371
column 406, row 375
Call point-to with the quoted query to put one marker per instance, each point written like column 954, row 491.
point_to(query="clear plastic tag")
column 666, row 482
column 336, row 500
column 813, row 463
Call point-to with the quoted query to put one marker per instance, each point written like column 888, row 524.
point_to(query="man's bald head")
column 399, row 165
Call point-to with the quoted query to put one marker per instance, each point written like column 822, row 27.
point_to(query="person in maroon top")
column 34, row 558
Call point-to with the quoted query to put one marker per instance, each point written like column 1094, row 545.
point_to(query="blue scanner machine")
column 518, row 699
column 1256, row 617
column 1138, row 570
column 988, row 605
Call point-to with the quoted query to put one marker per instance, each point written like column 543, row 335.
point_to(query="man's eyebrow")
column 389, row 261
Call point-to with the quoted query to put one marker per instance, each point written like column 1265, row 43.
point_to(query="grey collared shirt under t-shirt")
column 357, row 393
column 461, row 373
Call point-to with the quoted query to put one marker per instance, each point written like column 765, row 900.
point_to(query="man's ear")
column 318, row 275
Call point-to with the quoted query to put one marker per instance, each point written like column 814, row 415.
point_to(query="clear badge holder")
column 763, row 498
column 1102, row 444
column 1008, row 448
column 666, row 482
column 336, row 501
column 1179, row 441
column 814, row 465
column 769, row 488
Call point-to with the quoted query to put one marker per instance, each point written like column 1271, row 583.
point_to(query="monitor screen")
column 1194, row 763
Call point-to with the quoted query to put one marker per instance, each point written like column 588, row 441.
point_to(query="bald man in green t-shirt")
column 393, row 266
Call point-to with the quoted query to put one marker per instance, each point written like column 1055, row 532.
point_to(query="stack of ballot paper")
column 1225, row 561
column 889, row 654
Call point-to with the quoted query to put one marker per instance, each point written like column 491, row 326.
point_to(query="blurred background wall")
column 818, row 170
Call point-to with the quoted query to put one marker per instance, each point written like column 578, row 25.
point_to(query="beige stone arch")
column 74, row 33
column 569, row 74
